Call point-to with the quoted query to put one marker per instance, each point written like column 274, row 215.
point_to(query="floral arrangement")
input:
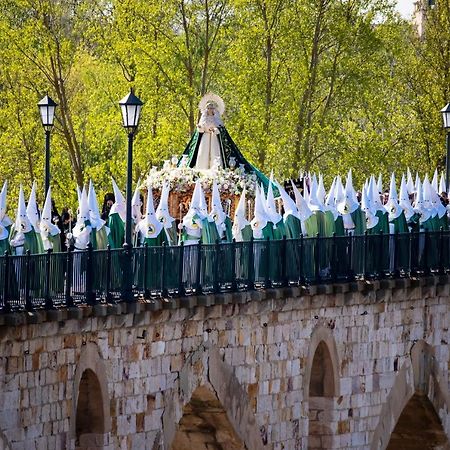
column 182, row 179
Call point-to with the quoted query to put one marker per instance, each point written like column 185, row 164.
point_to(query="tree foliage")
column 319, row 85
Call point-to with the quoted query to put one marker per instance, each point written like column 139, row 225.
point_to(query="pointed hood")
column 434, row 182
column 22, row 223
column 150, row 226
column 32, row 209
column 436, row 204
column 94, row 213
column 349, row 204
column 321, row 193
column 240, row 217
column 404, row 200
column 304, row 212
column 78, row 194
column 442, row 186
column 339, row 194
column 217, row 213
column 330, row 202
column 314, row 203
column 371, row 219
column 47, row 227
column 392, row 206
column 136, row 204
column 375, row 199
column 193, row 218
column 410, row 183
column 416, row 183
column 419, row 205
column 289, row 206
column 271, row 208
column 260, row 218
column 4, row 219
column 119, row 205
column 162, row 212
column 426, row 192
column 380, row 184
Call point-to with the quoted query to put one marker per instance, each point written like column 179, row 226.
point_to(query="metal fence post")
column 47, row 296
column 234, row 286
column 198, row 286
column 181, row 290
column 164, row 291
column 108, row 295
column 251, row 269
column 441, row 250
column 90, row 294
column 425, row 267
column 317, row 259
column 69, row 269
column 381, row 254
column 144, row 276
column 284, row 277
column 301, row 278
column 350, row 271
column 6, row 301
column 267, row 280
column 395, row 269
column 333, row 272
column 216, row 284
column 28, row 303
column 365, row 271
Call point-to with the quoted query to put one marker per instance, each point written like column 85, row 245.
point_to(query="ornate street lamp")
column 47, row 107
column 445, row 111
column 130, row 106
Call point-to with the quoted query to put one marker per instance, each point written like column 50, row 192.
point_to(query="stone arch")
column 206, row 377
column 322, row 387
column 91, row 418
column 418, row 384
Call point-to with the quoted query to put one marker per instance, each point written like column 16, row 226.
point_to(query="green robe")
column 401, row 241
column 383, row 222
column 228, row 237
column 117, row 231
column 279, row 230
column 171, row 234
column 339, row 226
column 293, row 227
column 413, row 222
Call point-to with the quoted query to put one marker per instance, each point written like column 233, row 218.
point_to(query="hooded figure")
column 425, row 221
column 397, row 219
column 308, row 220
column 271, row 209
column 163, row 215
column 217, row 214
column 291, row 217
column 410, row 183
column 82, row 230
column 434, row 182
column 411, row 216
column 33, row 216
column 427, row 190
column 371, row 218
column 116, row 219
column 50, row 233
column 193, row 222
column 242, row 230
column 325, row 218
column 330, row 205
column 100, row 231
column 150, row 229
column 377, row 206
column 352, row 215
column 442, row 187
column 380, row 184
column 136, row 213
column 23, row 236
column 261, row 224
column 5, row 222
column 442, row 219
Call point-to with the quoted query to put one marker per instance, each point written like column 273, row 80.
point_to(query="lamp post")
column 130, row 106
column 47, row 108
column 445, row 111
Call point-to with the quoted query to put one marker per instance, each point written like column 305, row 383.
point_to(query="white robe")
column 209, row 148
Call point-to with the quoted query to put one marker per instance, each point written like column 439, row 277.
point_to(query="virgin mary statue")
column 211, row 146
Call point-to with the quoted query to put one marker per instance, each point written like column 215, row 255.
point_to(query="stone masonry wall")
column 253, row 351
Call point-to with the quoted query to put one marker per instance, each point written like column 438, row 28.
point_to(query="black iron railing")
column 52, row 280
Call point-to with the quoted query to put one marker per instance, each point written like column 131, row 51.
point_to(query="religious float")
column 210, row 155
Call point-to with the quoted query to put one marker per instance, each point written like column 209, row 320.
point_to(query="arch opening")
column 90, row 420
column 205, row 425
column 418, row 427
column 322, row 393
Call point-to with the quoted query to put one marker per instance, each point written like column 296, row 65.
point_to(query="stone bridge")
column 361, row 365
